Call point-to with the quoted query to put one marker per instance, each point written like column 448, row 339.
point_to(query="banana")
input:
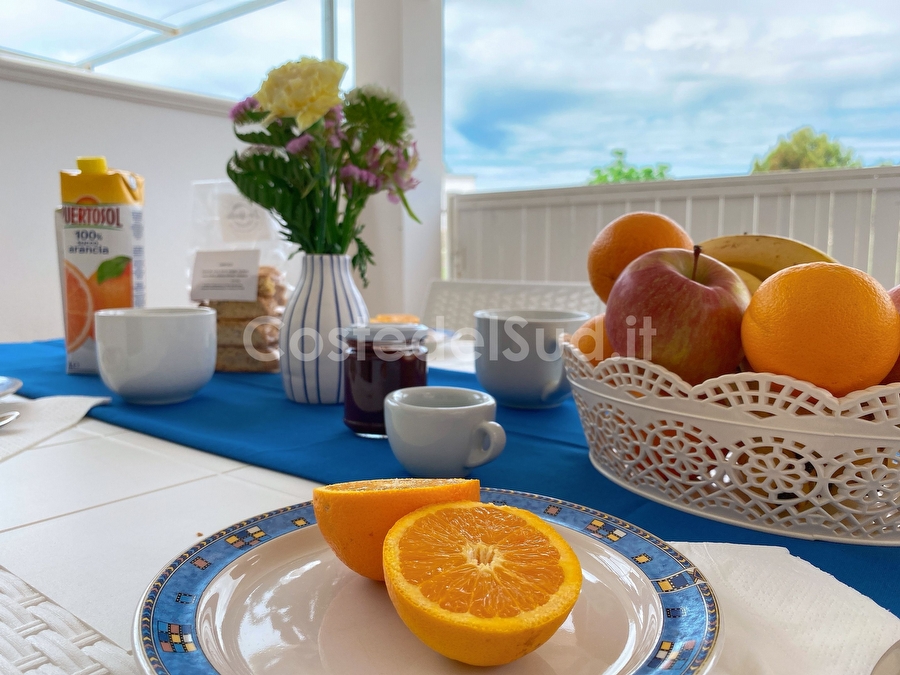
column 761, row 254
column 749, row 280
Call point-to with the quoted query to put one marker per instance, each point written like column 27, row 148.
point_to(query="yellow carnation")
column 305, row 89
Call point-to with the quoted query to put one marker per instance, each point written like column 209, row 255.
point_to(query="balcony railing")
column 543, row 235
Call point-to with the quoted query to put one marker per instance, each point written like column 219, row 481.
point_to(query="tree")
column 620, row 171
column 805, row 150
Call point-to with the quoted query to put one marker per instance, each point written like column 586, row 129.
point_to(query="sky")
column 538, row 92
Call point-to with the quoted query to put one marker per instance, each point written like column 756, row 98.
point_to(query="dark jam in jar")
column 380, row 358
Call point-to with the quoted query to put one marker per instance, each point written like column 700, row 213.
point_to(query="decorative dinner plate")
column 267, row 595
column 9, row 385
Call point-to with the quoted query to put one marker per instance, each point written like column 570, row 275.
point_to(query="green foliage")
column 804, row 149
column 316, row 181
column 620, row 171
column 373, row 117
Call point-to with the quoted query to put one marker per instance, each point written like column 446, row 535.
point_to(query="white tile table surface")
column 91, row 515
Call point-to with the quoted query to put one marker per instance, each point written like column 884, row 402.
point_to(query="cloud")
column 704, row 88
column 487, row 123
column 672, row 32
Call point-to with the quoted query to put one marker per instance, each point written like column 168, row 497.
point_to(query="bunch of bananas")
column 755, row 257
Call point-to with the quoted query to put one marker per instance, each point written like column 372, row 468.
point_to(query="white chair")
column 451, row 304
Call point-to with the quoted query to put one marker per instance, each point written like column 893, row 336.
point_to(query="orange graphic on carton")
column 79, row 309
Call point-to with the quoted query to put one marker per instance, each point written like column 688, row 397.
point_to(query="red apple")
column 681, row 310
column 894, row 375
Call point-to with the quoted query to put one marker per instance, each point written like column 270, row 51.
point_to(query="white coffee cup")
column 442, row 432
column 517, row 355
column 156, row 356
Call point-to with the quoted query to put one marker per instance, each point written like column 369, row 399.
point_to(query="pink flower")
column 297, row 145
column 351, row 173
column 407, row 161
column 405, row 183
column 240, row 108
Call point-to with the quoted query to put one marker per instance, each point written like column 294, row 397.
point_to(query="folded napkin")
column 784, row 616
column 40, row 419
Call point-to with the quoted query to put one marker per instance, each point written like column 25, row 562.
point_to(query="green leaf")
column 112, row 268
column 363, row 258
column 256, row 138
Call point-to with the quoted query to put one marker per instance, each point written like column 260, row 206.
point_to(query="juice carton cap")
column 92, row 164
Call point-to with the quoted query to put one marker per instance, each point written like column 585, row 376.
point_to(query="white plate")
column 268, row 596
column 9, row 385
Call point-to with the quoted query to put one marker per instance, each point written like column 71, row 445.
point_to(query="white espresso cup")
column 518, row 358
column 156, row 356
column 442, row 432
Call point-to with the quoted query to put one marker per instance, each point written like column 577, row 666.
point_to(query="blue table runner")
column 245, row 416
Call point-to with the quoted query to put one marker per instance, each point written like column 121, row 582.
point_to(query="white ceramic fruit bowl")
column 762, row 451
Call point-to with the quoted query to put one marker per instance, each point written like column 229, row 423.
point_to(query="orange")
column 79, row 308
column 592, row 340
column 480, row 583
column 355, row 517
column 394, row 318
column 894, row 374
column 626, row 238
column 113, row 292
column 825, row 323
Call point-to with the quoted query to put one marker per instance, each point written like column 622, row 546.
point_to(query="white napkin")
column 784, row 616
column 40, row 419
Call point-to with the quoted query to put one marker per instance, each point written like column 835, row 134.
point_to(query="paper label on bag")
column 242, row 220
column 225, row 275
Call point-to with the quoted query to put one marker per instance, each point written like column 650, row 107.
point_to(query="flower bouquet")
column 315, row 156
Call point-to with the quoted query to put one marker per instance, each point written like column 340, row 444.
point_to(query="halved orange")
column 354, row 517
column 79, row 308
column 480, row 583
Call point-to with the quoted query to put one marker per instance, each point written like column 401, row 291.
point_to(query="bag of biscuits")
column 239, row 265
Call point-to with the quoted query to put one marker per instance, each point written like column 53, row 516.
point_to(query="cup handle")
column 496, row 442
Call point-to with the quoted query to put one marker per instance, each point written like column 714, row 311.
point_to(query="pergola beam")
column 125, row 16
column 186, row 29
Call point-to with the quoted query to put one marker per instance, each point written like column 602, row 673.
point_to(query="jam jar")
column 379, row 359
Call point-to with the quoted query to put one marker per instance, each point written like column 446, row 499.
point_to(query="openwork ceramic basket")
column 761, row 451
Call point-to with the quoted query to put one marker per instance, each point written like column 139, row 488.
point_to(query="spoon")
column 6, row 418
column 889, row 663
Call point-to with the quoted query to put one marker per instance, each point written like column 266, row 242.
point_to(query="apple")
column 894, row 375
column 681, row 310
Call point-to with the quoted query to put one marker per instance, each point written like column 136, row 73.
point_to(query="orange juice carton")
column 100, row 235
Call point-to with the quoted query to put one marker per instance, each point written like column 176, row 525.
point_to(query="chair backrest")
column 451, row 304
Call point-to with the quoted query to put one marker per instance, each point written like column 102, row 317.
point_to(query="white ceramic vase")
column 325, row 301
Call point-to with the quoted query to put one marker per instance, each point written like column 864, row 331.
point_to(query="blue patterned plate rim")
column 690, row 614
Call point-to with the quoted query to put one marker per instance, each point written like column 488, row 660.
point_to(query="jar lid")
column 389, row 333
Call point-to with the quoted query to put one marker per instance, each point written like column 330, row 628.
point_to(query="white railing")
column 543, row 235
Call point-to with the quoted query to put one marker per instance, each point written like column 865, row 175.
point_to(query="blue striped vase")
column 325, row 301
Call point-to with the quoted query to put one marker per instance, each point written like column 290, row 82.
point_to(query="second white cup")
column 442, row 432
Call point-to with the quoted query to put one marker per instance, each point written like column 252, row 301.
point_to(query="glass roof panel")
column 174, row 11
column 59, row 31
column 227, row 59
column 230, row 59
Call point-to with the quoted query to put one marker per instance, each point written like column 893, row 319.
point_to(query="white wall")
column 42, row 130
column 399, row 45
